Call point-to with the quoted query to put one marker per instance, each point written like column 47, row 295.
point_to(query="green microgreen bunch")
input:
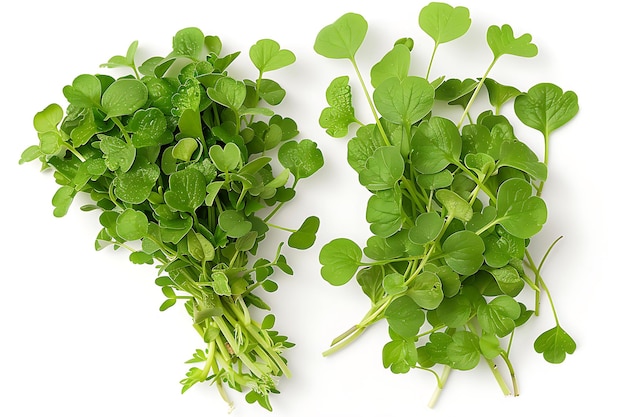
column 178, row 158
column 454, row 203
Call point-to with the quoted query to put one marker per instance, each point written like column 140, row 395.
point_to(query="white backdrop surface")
column 80, row 330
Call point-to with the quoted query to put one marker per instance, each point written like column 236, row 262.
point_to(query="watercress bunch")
column 455, row 200
column 178, row 158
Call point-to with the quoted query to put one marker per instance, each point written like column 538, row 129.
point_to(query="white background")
column 80, row 330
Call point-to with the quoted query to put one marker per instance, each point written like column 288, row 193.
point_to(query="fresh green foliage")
column 179, row 164
column 454, row 205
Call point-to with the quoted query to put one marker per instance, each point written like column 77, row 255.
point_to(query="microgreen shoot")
column 454, row 203
column 179, row 164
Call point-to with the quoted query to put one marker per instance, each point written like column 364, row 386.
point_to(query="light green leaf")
column 84, row 92
column 444, row 23
column 302, row 158
column 266, row 55
column 404, row 317
column 426, row 290
column 132, row 224
column 337, row 118
column 546, row 107
column 395, row 64
column 340, row 259
column 404, row 101
column 456, row 206
column 123, row 97
column 187, row 190
column 437, row 143
column 342, row 38
column 463, row 252
column 554, row 344
column 503, row 42
column 427, row 228
column 383, row 169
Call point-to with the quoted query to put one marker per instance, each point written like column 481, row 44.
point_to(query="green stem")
column 509, row 365
column 441, row 382
column 475, row 94
column 370, row 102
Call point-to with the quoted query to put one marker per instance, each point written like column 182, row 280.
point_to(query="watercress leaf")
column 490, row 346
column 302, row 158
column 399, row 356
column 404, row 317
column 84, row 92
column 435, row 350
column 427, row 228
column 370, row 280
column 436, row 143
column 554, row 344
column 384, row 212
column 545, row 107
column 266, row 55
column 187, row 97
column 363, row 145
column 123, row 97
column 426, row 290
column 188, row 42
column 304, row 237
column 228, row 92
column 187, row 190
column 464, row 351
column 220, row 283
column 455, row 205
column 463, row 252
column 393, row 283
column 455, row 311
column 395, row 64
column 340, row 259
column 234, row 223
column 271, row 92
column 337, row 118
column 453, row 89
column 184, row 149
column 118, row 155
column 499, row 94
column 520, row 213
column 435, row 181
column 62, row 200
column 502, row 42
column 383, row 169
column 342, row 38
column 404, row 101
column 48, row 119
column 132, row 224
column 149, row 128
column 508, row 280
column 499, row 315
column 443, row 23
column 227, row 158
column 518, row 155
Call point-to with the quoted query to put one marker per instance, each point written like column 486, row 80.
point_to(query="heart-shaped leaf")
column 395, row 64
column 404, row 317
column 234, row 223
column 554, row 344
column 228, row 92
column 383, row 169
column 84, row 92
column 225, row 159
column 342, row 38
column 437, row 143
column 546, row 107
column 266, row 55
column 444, row 23
column 340, row 115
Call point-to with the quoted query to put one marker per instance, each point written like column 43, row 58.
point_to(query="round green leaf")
column 301, row 158
column 426, row 290
column 340, row 259
column 463, row 252
column 342, row 38
column 405, row 317
column 123, row 97
column 404, row 101
column 427, row 228
column 436, row 144
column 132, row 224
